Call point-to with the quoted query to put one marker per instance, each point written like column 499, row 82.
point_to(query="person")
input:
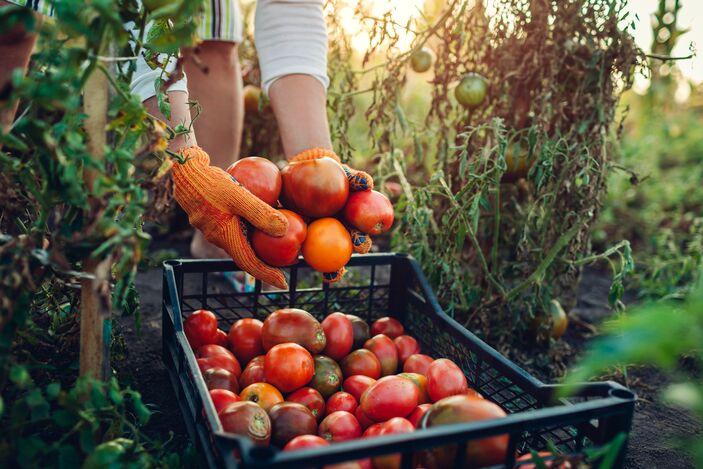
column 291, row 40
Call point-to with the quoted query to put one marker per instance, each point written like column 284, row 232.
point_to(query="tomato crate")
column 377, row 285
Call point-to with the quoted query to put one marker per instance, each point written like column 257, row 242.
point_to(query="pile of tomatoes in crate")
column 315, row 190
column 307, row 384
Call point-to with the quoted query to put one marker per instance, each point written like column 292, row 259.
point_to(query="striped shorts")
column 221, row 19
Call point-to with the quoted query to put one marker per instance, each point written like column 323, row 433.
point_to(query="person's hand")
column 358, row 181
column 216, row 203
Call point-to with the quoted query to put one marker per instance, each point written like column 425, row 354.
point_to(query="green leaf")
column 35, row 397
column 53, row 390
column 63, row 418
column 164, row 104
column 20, row 376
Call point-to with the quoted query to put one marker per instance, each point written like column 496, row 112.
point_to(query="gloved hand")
column 215, row 204
column 358, row 181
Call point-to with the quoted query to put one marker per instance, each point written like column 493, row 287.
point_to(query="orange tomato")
column 262, row 394
column 328, row 245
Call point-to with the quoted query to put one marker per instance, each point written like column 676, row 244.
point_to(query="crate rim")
column 617, row 398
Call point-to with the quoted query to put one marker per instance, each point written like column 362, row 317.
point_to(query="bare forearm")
column 180, row 114
column 299, row 103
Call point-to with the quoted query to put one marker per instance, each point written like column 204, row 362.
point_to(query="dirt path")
column 655, row 427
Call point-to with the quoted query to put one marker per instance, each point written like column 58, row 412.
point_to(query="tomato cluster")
column 314, row 196
column 296, row 383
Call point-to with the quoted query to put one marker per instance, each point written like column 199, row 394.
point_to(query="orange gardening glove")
column 358, row 181
column 216, row 203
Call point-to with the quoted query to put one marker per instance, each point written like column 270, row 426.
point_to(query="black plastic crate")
column 379, row 285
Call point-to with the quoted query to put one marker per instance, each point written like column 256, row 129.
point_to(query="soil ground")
column 656, row 428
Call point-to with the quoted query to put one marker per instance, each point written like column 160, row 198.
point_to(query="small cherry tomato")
column 288, row 367
column 341, row 401
column 387, row 326
column 444, row 379
column 201, row 328
column 340, row 335
column 406, row 346
column 310, row 398
column 339, row 426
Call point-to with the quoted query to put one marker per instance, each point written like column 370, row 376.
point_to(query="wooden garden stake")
column 96, row 325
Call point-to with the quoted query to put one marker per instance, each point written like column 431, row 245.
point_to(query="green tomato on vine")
column 471, row 91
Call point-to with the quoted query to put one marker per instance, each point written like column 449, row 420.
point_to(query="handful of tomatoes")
column 314, row 196
column 296, row 383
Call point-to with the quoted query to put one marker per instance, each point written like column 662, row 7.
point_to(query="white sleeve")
column 291, row 38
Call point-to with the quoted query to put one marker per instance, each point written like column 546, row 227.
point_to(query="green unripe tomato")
column 471, row 91
column 421, row 60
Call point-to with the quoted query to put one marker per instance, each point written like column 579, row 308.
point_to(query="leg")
column 16, row 48
column 218, row 89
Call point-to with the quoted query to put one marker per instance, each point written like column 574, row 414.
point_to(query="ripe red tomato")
column 284, row 250
column 369, row 211
column 262, row 394
column 293, row 325
column 373, row 430
column 248, row 419
column 387, row 326
column 328, row 376
column 245, row 339
column 357, row 384
column 364, row 421
column 417, row 363
column 342, row 401
column 288, row 367
column 406, row 346
column 421, row 382
column 216, row 356
column 328, row 246
column 417, row 414
column 221, row 338
column 361, row 331
column 445, row 378
column 339, row 426
column 219, row 378
column 384, row 348
column 305, row 441
column 390, row 396
column 253, row 373
column 201, row 328
column 288, row 420
column 361, row 362
column 258, row 175
column 310, row 398
column 393, row 426
column 340, row 335
column 314, row 188
column 221, row 398
column 456, row 409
